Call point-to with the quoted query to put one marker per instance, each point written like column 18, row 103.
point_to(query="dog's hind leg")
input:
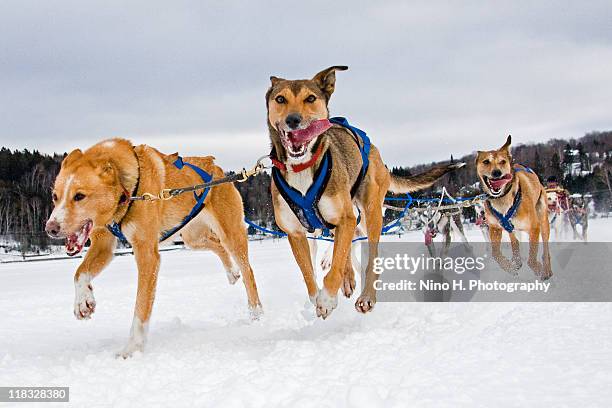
column 301, row 252
column 100, row 253
column 534, row 241
column 203, row 239
column 314, row 248
column 545, row 232
column 234, row 240
column 374, row 196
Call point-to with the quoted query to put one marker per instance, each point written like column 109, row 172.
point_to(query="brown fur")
column 336, row 205
column 104, row 172
column 531, row 216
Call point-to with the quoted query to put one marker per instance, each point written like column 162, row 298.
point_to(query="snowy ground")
column 203, row 351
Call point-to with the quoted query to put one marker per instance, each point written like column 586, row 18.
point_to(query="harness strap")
column 305, row 206
column 506, row 220
column 296, row 168
column 115, row 228
column 364, row 150
column 520, row 167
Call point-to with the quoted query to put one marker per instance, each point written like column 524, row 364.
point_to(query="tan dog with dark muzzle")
column 321, row 181
column 517, row 201
column 92, row 193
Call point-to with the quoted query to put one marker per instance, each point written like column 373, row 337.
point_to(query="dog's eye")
column 54, row 197
column 280, row 99
column 502, row 162
column 486, row 161
column 311, row 99
column 79, row 197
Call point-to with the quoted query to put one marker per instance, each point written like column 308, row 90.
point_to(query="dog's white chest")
column 300, row 181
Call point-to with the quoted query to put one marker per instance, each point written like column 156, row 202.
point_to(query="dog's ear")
column 478, row 153
column 326, row 79
column 107, row 171
column 506, row 145
column 275, row 80
column 75, row 154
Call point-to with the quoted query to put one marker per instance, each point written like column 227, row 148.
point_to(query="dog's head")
column 494, row 168
column 297, row 112
column 86, row 194
column 551, row 198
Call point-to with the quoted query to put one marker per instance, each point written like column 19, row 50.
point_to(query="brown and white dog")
column 301, row 136
column 92, row 190
column 516, row 192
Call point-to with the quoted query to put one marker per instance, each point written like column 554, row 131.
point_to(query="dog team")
column 326, row 176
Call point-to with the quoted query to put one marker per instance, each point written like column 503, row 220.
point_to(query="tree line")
column 581, row 165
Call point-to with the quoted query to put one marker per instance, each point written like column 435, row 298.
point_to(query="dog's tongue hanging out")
column 303, row 136
column 500, row 182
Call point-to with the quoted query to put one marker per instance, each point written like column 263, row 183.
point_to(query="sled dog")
column 92, row 201
column 327, row 175
column 516, row 201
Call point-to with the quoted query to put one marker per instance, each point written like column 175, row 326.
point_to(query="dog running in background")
column 516, row 201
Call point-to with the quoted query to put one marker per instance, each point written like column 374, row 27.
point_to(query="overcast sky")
column 425, row 79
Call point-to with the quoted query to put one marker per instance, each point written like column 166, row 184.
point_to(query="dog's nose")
column 52, row 228
column 293, row 120
column 496, row 173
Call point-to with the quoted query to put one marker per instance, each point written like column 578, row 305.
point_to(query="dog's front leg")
column 495, row 232
column 147, row 259
column 327, row 299
column 517, row 263
column 99, row 255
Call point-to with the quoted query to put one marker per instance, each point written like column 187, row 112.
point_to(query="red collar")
column 296, row 168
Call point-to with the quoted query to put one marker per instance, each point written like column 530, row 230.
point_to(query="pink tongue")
column 306, row 135
column 500, row 182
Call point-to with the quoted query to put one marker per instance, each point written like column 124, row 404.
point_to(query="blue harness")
column 506, row 220
column 305, row 207
column 115, row 228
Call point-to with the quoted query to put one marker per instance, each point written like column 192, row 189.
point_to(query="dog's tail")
column 423, row 180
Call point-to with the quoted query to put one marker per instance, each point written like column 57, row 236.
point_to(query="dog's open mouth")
column 296, row 141
column 77, row 240
column 496, row 185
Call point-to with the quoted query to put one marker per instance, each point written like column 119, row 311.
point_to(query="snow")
column 204, row 351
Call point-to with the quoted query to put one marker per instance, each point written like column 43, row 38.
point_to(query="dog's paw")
column 348, row 285
column 509, row 267
column 537, row 268
column 255, row 312
column 325, row 303
column 365, row 303
column 516, row 264
column 233, row 274
column 129, row 350
column 84, row 302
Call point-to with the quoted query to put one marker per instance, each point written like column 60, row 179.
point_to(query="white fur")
column 138, row 338
column 84, row 301
column 286, row 218
column 59, row 212
column 328, row 210
column 325, row 303
column 109, row 144
column 300, row 181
